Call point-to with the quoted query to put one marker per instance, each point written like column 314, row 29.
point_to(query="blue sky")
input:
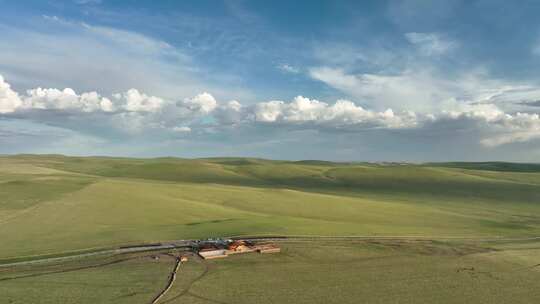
column 340, row 80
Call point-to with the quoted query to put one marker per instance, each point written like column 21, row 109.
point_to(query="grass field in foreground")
column 120, row 279
column 304, row 272
column 367, row 272
column 55, row 204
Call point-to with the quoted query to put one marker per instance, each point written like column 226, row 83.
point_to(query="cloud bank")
column 132, row 113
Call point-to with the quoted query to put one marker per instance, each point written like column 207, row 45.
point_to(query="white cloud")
column 412, row 90
column 430, row 43
column 304, row 109
column 510, row 96
column 425, row 90
column 497, row 127
column 9, row 99
column 52, row 18
column 234, row 106
column 134, row 101
column 401, row 79
column 487, row 112
column 66, row 99
column 288, row 68
column 204, row 103
column 500, row 128
column 341, row 113
column 134, row 112
column 230, row 113
column 268, row 111
column 183, row 129
column 520, row 127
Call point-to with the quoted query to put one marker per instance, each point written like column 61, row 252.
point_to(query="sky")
column 403, row 80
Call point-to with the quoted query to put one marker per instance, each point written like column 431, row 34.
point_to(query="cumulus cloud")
column 204, row 103
column 487, row 112
column 66, row 99
column 268, row 111
column 341, row 113
column 492, row 125
column 9, row 99
column 134, row 101
column 499, row 127
column 495, row 126
column 130, row 112
column 521, row 127
column 230, row 113
column 134, row 112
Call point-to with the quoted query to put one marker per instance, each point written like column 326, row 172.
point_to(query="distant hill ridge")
column 492, row 166
column 239, row 161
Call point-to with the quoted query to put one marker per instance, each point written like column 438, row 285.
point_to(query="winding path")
column 172, row 278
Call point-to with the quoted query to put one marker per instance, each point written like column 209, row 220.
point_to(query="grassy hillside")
column 304, row 272
column 126, row 279
column 365, row 272
column 52, row 204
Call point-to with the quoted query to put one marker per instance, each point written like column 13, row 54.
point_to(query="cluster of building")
column 220, row 248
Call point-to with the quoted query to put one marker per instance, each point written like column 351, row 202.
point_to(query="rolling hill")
column 53, row 204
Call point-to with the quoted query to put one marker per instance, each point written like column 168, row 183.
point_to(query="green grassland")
column 304, row 272
column 366, row 272
column 113, row 279
column 55, row 204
